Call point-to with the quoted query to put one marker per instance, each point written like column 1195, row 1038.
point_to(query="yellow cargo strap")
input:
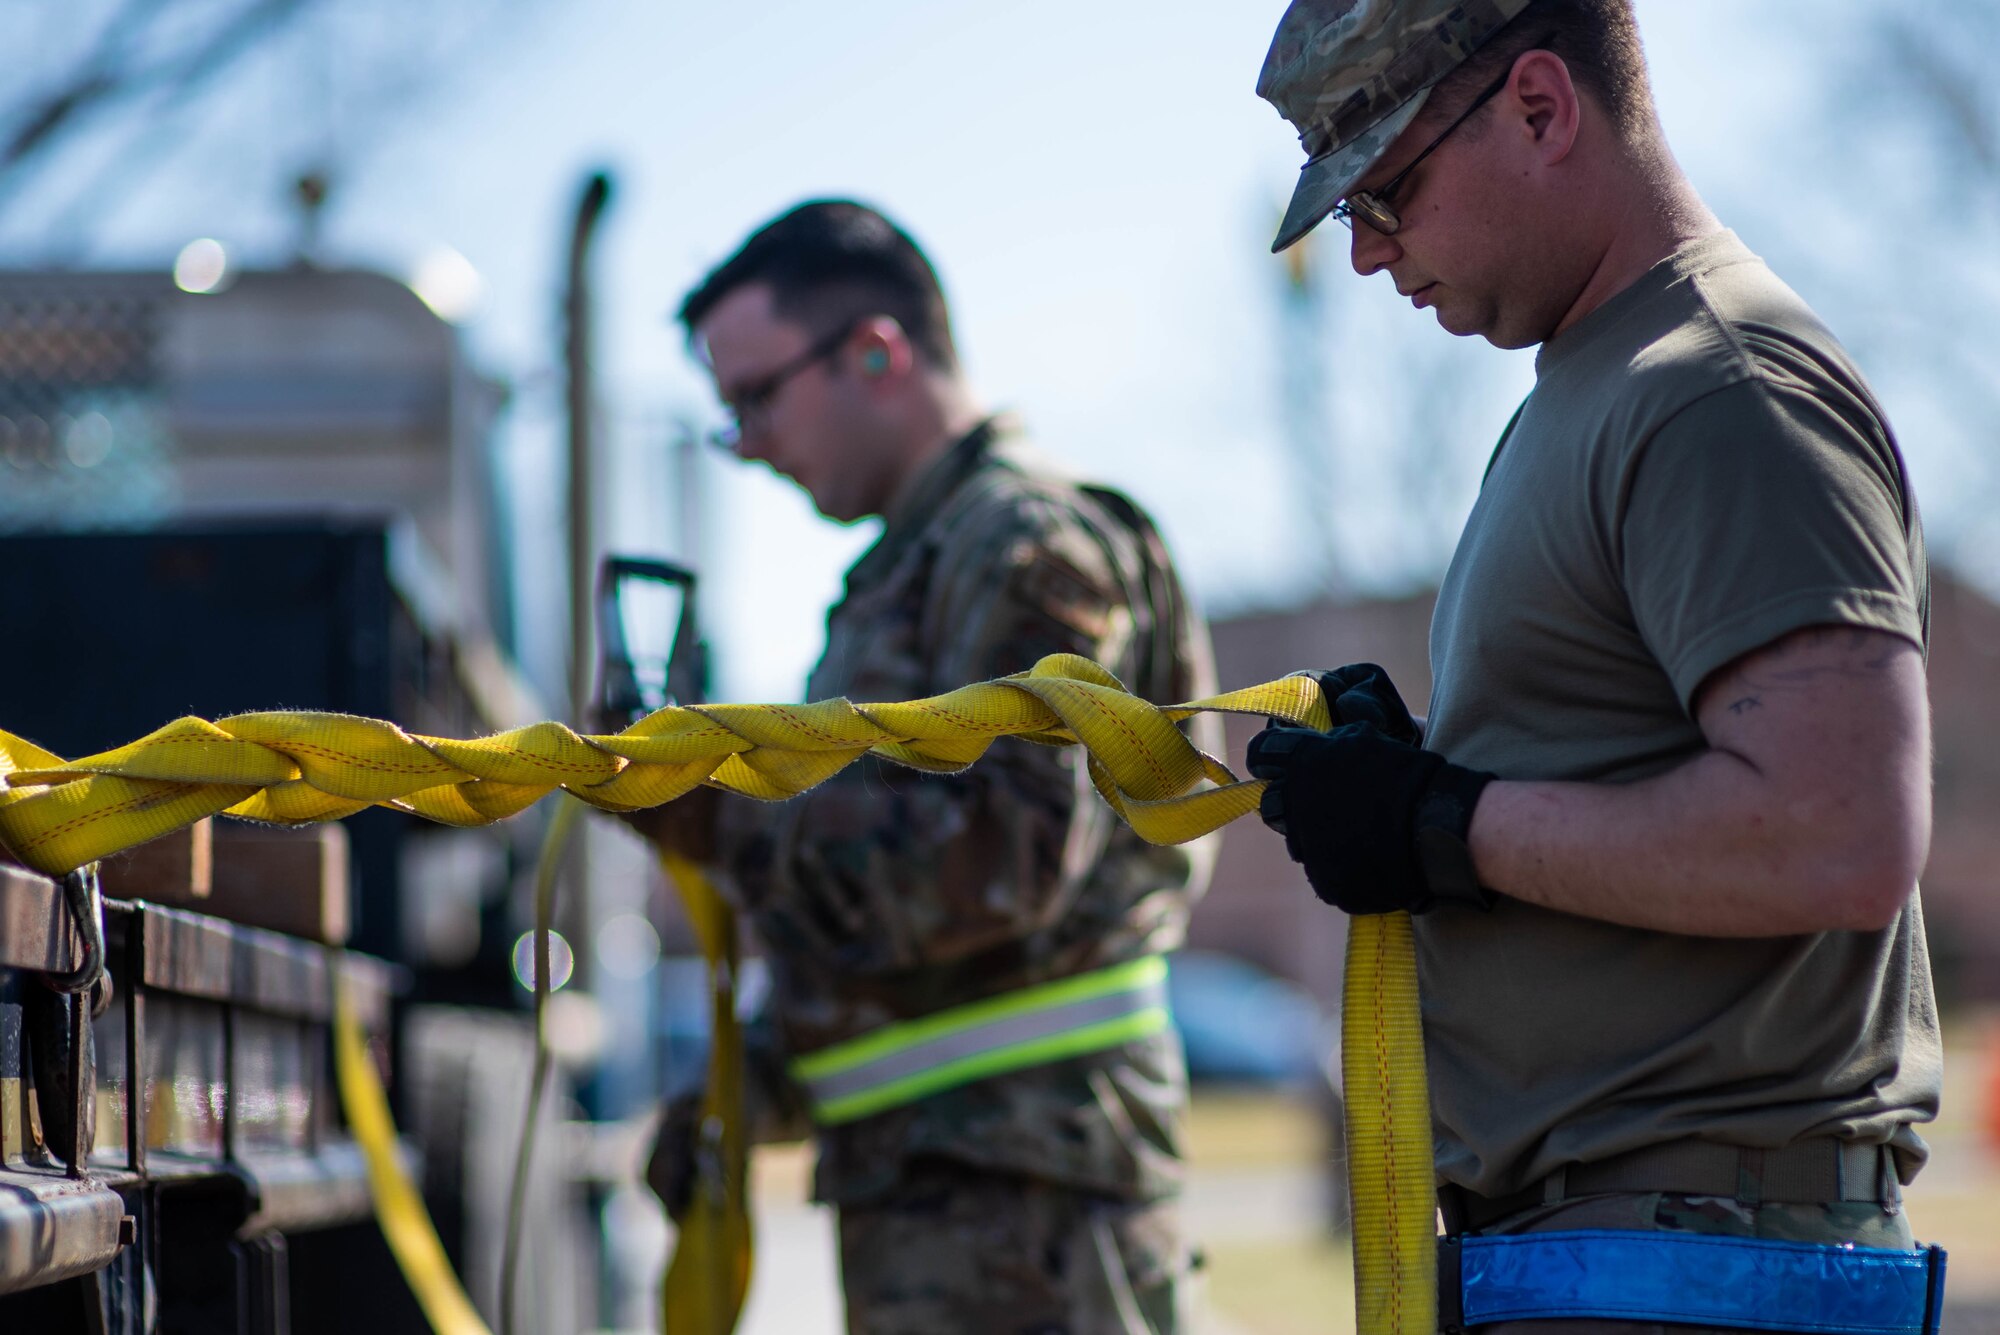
column 709, row 1274
column 292, row 768
column 399, row 1209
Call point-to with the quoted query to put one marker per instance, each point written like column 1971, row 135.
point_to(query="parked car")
column 1243, row 1025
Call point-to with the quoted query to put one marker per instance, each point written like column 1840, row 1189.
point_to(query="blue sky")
column 1096, row 182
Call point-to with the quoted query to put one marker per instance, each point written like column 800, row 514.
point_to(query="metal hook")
column 86, row 907
column 90, row 986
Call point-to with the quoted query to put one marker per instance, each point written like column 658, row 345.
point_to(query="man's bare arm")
column 1809, row 812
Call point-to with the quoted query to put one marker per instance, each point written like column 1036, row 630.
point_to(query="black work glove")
column 773, row 1110
column 1378, row 824
column 1363, row 693
column 674, row 1164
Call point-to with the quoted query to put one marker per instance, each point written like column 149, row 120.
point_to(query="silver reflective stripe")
column 1048, row 1022
column 1004, row 1033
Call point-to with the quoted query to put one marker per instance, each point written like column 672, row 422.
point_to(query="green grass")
column 1302, row 1287
column 1236, row 1128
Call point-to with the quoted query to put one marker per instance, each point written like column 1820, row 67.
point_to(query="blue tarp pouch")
column 1689, row 1279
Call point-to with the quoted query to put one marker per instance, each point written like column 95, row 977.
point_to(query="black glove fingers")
column 1364, row 706
column 1363, row 693
column 1271, row 807
column 670, row 1169
column 1272, row 751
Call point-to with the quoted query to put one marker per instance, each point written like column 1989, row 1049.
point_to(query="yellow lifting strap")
column 399, row 1208
column 296, row 767
column 709, row 1274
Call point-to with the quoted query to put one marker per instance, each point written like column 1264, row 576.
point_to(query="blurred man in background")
column 1040, row 1198
column 1673, row 795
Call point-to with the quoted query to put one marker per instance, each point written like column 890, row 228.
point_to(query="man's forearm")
column 1708, row 849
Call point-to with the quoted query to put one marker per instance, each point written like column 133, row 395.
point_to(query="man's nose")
column 1371, row 251
column 753, row 442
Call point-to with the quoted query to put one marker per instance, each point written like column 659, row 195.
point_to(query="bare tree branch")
column 94, row 79
column 1946, row 88
column 108, row 74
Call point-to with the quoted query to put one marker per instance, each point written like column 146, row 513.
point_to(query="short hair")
column 1598, row 40
column 830, row 262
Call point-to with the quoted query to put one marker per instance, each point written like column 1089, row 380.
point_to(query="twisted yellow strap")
column 298, row 767
column 293, row 768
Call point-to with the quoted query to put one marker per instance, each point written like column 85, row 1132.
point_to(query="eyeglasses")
column 1375, row 207
column 751, row 407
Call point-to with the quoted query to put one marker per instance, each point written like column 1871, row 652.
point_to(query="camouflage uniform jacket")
column 886, row 894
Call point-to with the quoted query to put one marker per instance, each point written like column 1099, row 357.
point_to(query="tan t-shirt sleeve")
column 1760, row 509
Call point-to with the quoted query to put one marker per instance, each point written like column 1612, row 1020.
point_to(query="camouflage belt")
column 913, row 1059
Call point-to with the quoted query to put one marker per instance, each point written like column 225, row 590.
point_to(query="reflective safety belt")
column 913, row 1059
column 1689, row 1279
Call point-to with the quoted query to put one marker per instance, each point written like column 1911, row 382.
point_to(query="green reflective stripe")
column 979, row 1066
column 1004, row 1034
column 1033, row 1026
column 895, row 1037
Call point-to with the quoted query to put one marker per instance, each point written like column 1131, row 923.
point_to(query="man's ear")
column 1545, row 98
column 884, row 349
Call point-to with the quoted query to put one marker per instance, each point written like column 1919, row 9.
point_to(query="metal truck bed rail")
column 217, row 1141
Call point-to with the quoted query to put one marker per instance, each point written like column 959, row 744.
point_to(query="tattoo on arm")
column 1745, row 705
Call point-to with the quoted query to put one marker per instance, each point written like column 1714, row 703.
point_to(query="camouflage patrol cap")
column 1352, row 74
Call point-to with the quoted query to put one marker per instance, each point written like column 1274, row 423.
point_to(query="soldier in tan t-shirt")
column 1664, row 824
